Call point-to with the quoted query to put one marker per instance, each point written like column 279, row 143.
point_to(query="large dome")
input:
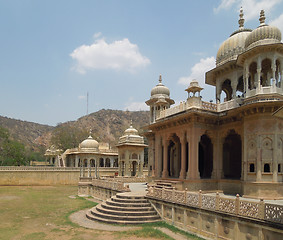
column 234, row 45
column 160, row 89
column 264, row 34
column 89, row 144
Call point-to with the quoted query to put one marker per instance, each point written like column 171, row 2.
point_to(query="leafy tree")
column 65, row 137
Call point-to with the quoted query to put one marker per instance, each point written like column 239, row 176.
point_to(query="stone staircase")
column 124, row 208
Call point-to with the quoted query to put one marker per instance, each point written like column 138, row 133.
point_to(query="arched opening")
column 227, row 89
column 232, row 156
column 85, row 163
column 205, row 157
column 253, row 74
column 174, row 157
column 107, row 162
column 122, row 168
column 92, row 163
column 240, row 87
column 53, row 160
column 266, row 168
column 115, row 162
column 134, row 168
column 277, row 74
column 266, row 73
column 252, row 168
column 101, row 162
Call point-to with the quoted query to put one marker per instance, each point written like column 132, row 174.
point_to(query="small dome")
column 89, row 144
column 131, row 130
column 234, row 45
column 160, row 89
column 264, row 34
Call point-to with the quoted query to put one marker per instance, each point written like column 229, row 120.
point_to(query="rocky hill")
column 106, row 126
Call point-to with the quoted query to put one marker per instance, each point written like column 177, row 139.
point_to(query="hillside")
column 109, row 125
column 106, row 126
column 25, row 132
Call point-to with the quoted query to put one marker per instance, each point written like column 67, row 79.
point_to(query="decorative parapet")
column 255, row 95
column 113, row 185
column 255, row 209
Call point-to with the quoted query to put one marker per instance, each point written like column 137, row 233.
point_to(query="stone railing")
column 34, row 168
column 113, row 185
column 256, row 209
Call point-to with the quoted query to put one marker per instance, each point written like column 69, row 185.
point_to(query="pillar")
column 193, row 153
column 258, row 165
column 258, row 70
column 183, row 156
column 275, row 159
column 165, row 158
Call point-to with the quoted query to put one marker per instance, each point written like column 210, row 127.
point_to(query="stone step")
column 121, row 204
column 111, row 221
column 96, row 213
column 124, row 196
column 101, row 209
column 127, row 200
column 118, row 208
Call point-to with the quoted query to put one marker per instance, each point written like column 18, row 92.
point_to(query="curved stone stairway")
column 124, row 208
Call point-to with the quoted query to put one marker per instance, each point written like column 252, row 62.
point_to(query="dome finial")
column 160, row 78
column 262, row 18
column 90, row 132
column 131, row 123
column 241, row 20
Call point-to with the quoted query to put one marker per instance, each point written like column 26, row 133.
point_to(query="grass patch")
column 34, row 236
column 31, row 212
column 145, row 232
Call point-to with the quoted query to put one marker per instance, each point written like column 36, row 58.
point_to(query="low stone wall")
column 101, row 189
column 218, row 217
column 29, row 175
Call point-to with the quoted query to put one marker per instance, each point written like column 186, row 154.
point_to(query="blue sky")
column 53, row 52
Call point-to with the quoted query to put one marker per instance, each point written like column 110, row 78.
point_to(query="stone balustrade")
column 113, row 185
column 255, row 209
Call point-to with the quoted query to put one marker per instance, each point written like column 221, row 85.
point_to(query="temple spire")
column 241, row 20
column 262, row 18
column 160, row 78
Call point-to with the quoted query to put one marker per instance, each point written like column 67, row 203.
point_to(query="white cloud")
column 225, row 4
column 278, row 22
column 137, row 106
column 251, row 7
column 118, row 55
column 198, row 72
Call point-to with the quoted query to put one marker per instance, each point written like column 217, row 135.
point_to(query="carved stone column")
column 183, row 156
column 193, row 153
column 165, row 158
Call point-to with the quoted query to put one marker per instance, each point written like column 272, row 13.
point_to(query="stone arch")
column 205, row 156
column 174, row 156
column 107, row 162
column 227, row 89
column 92, row 162
column 134, row 156
column 232, row 156
column 267, row 153
column 252, row 75
column 134, row 168
column 266, row 72
column 240, row 87
column 101, row 162
column 115, row 164
column 85, row 162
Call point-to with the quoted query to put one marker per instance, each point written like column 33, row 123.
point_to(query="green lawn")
column 36, row 213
